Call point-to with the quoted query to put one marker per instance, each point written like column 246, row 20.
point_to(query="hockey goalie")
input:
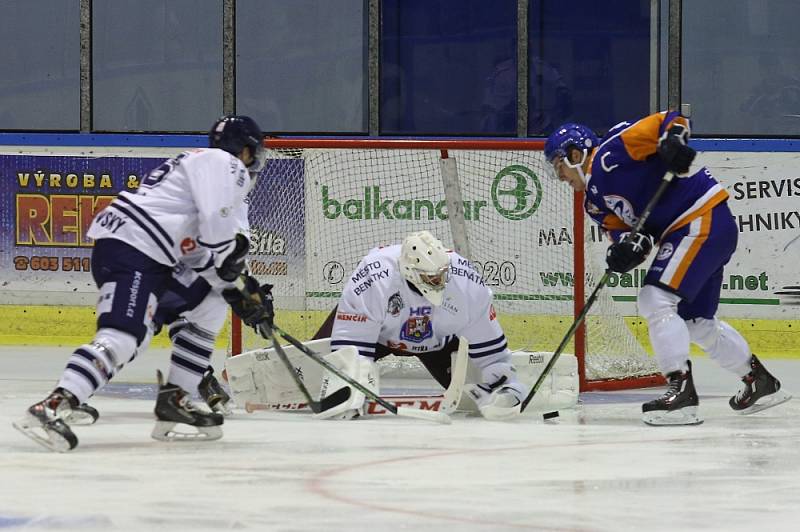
column 416, row 299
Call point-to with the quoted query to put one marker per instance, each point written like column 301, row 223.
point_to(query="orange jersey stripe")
column 612, row 222
column 715, row 200
column 694, row 249
column 641, row 139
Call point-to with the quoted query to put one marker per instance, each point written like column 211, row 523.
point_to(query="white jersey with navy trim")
column 378, row 307
column 195, row 200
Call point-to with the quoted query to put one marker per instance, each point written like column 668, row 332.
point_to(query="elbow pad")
column 234, row 264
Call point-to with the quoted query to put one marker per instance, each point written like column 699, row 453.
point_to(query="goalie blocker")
column 259, row 381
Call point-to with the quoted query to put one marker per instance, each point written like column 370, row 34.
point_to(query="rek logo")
column 516, row 192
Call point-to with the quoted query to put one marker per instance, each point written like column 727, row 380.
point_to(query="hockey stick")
column 430, row 415
column 458, row 377
column 593, row 297
column 315, row 406
column 418, row 402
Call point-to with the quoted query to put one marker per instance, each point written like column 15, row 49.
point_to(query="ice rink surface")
column 598, row 469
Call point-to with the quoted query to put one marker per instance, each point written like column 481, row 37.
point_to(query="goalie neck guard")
column 424, row 262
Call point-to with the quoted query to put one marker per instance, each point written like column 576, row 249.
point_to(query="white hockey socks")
column 669, row 334
column 92, row 365
column 192, row 348
column 722, row 343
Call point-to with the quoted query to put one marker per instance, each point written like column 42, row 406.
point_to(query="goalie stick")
column 429, row 415
column 593, row 297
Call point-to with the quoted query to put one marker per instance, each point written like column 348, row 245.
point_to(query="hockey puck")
column 550, row 415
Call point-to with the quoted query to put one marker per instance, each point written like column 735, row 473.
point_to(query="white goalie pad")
column 559, row 391
column 360, row 369
column 260, row 378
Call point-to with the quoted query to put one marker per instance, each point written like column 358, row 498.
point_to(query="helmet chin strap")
column 579, row 165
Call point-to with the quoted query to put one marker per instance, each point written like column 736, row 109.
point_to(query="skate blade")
column 660, row 418
column 49, row 439
column 165, row 431
column 768, row 401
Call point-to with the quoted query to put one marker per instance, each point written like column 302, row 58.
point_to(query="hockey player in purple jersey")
column 695, row 235
column 190, row 212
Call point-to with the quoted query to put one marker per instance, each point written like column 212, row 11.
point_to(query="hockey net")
column 321, row 204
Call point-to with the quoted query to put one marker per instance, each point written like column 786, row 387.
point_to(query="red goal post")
column 494, row 201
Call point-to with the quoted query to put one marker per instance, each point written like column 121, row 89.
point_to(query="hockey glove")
column 628, row 253
column 252, row 303
column 495, row 402
column 674, row 151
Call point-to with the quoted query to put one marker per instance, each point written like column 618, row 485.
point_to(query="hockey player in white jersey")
column 190, row 206
column 417, row 299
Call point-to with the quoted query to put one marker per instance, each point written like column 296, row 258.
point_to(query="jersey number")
column 157, row 175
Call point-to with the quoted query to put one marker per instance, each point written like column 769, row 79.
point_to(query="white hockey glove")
column 359, row 368
column 502, row 399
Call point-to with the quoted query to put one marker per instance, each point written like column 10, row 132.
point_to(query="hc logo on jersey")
column 418, row 327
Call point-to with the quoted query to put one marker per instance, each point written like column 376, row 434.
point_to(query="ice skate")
column 214, row 394
column 82, row 414
column 174, row 407
column 678, row 405
column 760, row 390
column 44, row 422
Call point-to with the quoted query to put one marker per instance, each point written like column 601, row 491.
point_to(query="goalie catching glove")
column 251, row 302
column 628, row 253
column 674, row 150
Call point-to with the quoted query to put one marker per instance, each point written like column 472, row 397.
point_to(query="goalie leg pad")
column 260, row 377
column 347, row 405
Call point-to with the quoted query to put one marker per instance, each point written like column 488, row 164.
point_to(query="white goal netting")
column 315, row 212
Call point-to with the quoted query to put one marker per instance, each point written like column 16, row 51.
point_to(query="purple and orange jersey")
column 626, row 171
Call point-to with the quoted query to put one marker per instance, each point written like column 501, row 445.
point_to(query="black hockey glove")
column 626, row 254
column 674, row 151
column 252, row 303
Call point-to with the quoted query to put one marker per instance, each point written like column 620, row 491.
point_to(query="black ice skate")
column 173, row 407
column 760, row 390
column 214, row 394
column 678, row 405
column 44, row 422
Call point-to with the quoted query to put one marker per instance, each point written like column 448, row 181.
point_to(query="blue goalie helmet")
column 567, row 135
column 232, row 133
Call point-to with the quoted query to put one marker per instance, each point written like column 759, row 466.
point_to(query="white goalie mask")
column 424, row 262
